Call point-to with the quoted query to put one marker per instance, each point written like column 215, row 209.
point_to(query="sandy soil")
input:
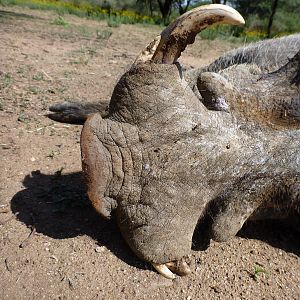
column 52, row 244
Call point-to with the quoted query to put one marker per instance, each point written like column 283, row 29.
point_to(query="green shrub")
column 59, row 21
column 113, row 22
column 85, row 9
column 103, row 34
column 286, row 19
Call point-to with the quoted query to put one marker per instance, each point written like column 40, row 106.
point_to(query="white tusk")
column 163, row 270
column 180, row 267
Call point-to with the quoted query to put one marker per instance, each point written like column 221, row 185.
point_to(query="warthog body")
column 222, row 140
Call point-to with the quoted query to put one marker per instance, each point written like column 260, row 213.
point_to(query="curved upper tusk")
column 183, row 30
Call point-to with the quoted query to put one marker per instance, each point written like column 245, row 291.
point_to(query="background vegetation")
column 264, row 18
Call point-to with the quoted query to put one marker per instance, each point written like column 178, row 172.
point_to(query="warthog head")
column 176, row 145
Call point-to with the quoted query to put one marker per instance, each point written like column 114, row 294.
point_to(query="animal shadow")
column 277, row 233
column 57, row 206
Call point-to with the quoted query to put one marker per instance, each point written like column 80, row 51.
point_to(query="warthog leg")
column 280, row 195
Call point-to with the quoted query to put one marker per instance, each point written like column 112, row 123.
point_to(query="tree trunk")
column 183, row 9
column 274, row 7
column 219, row 2
column 165, row 9
column 151, row 8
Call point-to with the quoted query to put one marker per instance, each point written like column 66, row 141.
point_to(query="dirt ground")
column 52, row 244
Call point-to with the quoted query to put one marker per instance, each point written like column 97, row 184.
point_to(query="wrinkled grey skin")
column 267, row 55
column 172, row 150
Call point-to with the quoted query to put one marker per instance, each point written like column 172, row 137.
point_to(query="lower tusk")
column 148, row 51
column 163, row 270
column 180, row 267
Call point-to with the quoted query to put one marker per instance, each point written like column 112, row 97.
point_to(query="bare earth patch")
column 52, row 244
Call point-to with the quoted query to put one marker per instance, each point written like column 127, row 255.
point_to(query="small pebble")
column 99, row 249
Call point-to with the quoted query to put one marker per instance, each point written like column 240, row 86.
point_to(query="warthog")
column 177, row 145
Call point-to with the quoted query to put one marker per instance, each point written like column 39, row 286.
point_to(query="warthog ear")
column 76, row 112
column 184, row 29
